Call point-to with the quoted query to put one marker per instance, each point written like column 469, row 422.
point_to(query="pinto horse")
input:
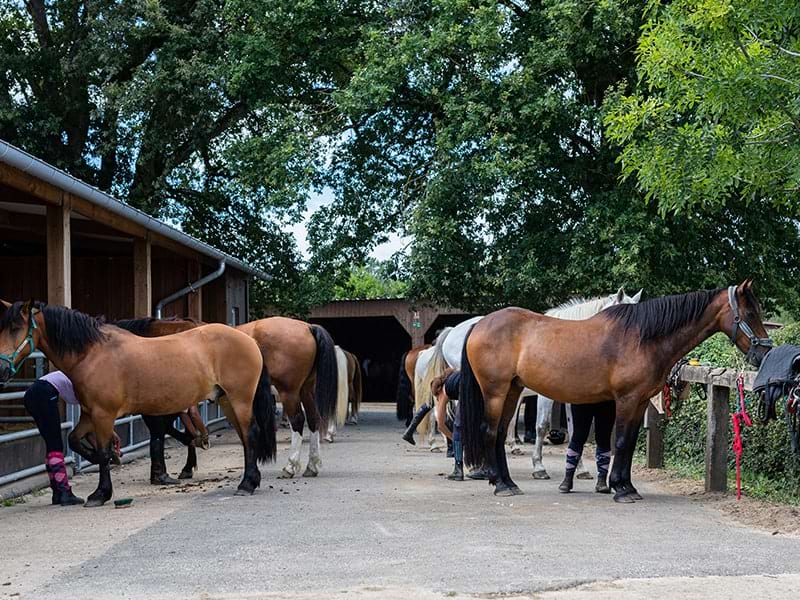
column 115, row 372
column 623, row 353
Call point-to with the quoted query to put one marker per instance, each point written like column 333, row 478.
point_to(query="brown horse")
column 354, row 387
column 115, row 373
column 624, row 353
column 405, row 384
column 301, row 361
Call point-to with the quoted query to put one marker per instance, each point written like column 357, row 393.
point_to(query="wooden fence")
column 719, row 383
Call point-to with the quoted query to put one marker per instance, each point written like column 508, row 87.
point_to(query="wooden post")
column 142, row 278
column 655, row 437
column 59, row 254
column 717, row 439
column 195, row 299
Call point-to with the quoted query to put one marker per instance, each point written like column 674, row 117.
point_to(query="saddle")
column 779, row 377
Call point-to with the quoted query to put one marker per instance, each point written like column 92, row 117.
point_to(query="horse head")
column 741, row 320
column 19, row 335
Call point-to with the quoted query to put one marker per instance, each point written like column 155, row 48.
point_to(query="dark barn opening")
column 379, row 343
column 441, row 322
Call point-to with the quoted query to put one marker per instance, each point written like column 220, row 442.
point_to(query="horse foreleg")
column 185, row 438
column 103, row 427
column 77, row 439
column 157, row 425
column 581, row 472
column 543, row 416
column 628, row 422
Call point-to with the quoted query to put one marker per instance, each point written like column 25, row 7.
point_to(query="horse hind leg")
column 581, row 472
column 185, row 438
column 543, row 415
column 297, row 422
column 511, row 437
column 314, row 465
column 103, row 427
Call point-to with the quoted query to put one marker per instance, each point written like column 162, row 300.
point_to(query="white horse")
column 575, row 309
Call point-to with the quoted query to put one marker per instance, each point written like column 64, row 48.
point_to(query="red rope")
column 740, row 417
column 667, row 400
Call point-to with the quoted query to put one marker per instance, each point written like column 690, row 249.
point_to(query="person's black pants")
column 41, row 401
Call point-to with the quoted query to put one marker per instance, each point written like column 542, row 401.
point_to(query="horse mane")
column 579, row 308
column 136, row 326
column 658, row 317
column 68, row 331
column 141, row 326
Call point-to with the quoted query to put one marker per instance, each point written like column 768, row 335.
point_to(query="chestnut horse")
column 623, row 353
column 115, row 372
column 355, row 386
column 405, row 384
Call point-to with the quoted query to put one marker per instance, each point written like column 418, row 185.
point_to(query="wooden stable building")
column 380, row 331
column 68, row 243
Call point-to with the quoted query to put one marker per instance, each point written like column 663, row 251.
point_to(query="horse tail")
column 472, row 411
column 342, row 387
column 435, row 368
column 358, row 392
column 405, row 410
column 327, row 373
column 262, row 426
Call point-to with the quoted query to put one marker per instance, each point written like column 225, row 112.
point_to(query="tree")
column 716, row 113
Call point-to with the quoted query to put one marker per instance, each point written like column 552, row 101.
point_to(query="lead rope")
column 740, row 417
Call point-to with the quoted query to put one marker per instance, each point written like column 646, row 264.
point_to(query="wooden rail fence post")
column 717, row 439
column 655, row 437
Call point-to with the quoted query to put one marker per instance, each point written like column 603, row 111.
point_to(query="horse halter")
column 739, row 323
column 11, row 359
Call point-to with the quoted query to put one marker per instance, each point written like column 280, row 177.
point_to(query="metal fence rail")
column 73, row 413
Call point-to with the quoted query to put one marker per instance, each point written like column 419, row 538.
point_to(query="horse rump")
column 405, row 406
column 262, row 426
column 327, row 373
column 472, row 411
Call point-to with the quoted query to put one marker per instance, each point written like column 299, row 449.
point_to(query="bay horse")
column 115, row 372
column 301, row 361
column 355, row 387
column 405, row 384
column 623, row 353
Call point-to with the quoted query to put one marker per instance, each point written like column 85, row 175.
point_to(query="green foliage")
column 716, row 114
column 769, row 468
column 369, row 282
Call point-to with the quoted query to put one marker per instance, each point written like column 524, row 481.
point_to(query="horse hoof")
column 516, row 451
column 185, row 475
column 309, row 472
column 95, row 500
column 328, row 438
column 504, row 492
column 243, row 492
column 623, row 498
column 584, row 475
column 516, row 491
column 540, row 475
column 286, row 474
column 635, row 495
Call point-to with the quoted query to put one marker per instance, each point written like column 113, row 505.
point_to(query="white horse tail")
column 422, row 386
column 342, row 387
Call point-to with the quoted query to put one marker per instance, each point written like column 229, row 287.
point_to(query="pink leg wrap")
column 57, row 470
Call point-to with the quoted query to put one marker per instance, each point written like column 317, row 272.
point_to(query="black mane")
column 68, row 331
column 138, row 327
column 658, row 317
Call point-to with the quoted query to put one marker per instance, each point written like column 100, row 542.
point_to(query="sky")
column 317, row 200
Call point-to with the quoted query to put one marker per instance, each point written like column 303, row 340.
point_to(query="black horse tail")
column 327, row 373
column 472, row 409
column 262, row 427
column 405, row 404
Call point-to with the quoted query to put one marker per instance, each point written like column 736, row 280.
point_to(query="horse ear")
column 638, row 295
column 7, row 305
column 620, row 294
column 748, row 283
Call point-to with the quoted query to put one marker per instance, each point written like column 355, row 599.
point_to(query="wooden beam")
column 30, row 185
column 195, row 299
column 655, row 437
column 59, row 255
column 142, row 278
column 717, row 439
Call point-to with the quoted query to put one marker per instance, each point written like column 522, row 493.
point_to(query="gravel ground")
column 382, row 523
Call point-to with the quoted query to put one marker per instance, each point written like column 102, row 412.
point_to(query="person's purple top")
column 64, row 386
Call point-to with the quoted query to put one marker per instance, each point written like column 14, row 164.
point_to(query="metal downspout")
column 192, row 287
